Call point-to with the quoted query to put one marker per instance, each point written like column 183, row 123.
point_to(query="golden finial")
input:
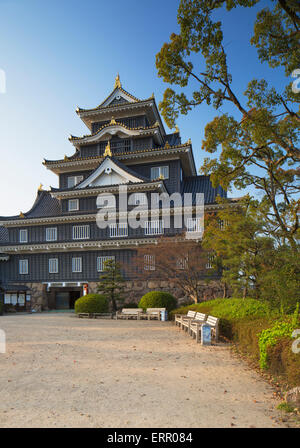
column 156, row 124
column 189, row 141
column 118, row 82
column 22, row 215
column 107, row 151
column 152, row 96
column 167, row 145
column 113, row 121
column 177, row 129
column 66, row 157
column 161, row 176
column 40, row 187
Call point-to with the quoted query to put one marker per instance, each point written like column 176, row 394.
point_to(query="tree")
column 260, row 143
column 236, row 237
column 111, row 283
column 252, row 263
column 176, row 260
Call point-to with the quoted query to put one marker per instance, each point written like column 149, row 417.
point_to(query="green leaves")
column 111, row 282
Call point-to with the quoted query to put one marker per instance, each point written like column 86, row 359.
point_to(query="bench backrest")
column 155, row 310
column 132, row 310
column 212, row 321
column 200, row 316
column 191, row 313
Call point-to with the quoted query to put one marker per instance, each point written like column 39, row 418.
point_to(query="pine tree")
column 111, row 283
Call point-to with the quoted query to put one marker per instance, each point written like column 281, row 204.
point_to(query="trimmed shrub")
column 91, row 303
column 158, row 299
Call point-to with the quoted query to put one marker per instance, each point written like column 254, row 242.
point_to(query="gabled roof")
column 202, row 184
column 111, row 172
column 118, row 95
column 120, row 101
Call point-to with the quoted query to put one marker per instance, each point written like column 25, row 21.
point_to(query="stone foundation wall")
column 134, row 290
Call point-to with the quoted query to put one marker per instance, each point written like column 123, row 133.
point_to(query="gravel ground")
column 61, row 371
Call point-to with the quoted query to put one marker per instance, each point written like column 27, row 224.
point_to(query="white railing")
column 154, row 227
column 77, row 264
column 81, row 232
column 193, row 225
column 53, row 265
column 118, row 230
column 102, row 260
column 149, row 262
column 51, row 234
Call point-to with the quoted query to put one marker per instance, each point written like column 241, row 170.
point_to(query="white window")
column 154, row 227
column 182, row 263
column 210, row 260
column 23, row 266
column 149, row 262
column 23, row 236
column 53, row 265
column 77, row 264
column 81, row 232
column 73, row 204
column 193, row 225
column 102, row 260
column 160, row 171
column 74, row 180
column 118, row 229
column 140, row 199
column 223, row 223
column 51, row 234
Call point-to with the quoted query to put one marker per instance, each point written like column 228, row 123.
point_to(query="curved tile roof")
column 202, row 184
column 114, row 123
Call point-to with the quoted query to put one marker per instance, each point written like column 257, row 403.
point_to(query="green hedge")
column 232, row 309
column 158, row 299
column 91, row 303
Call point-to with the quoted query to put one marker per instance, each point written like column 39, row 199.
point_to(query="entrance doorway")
column 65, row 298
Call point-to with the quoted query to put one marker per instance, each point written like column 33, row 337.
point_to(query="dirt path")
column 60, row 371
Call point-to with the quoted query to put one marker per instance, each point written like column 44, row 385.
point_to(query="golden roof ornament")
column 118, row 82
column 161, row 176
column 66, row 157
column 107, row 151
column 167, row 145
column 177, row 129
column 40, row 187
column 21, row 215
column 113, row 121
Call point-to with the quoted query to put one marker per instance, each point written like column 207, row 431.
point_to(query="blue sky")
column 62, row 54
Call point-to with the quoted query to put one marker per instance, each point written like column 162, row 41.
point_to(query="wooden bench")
column 198, row 320
column 213, row 322
column 129, row 313
column 154, row 313
column 180, row 317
